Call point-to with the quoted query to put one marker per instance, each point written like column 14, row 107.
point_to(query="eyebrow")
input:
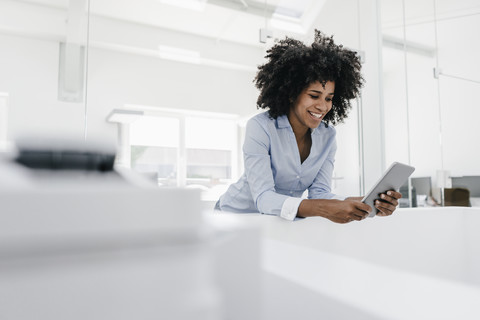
column 331, row 93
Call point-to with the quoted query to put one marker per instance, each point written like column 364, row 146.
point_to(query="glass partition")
column 43, row 54
column 196, row 60
column 67, row 64
column 430, row 78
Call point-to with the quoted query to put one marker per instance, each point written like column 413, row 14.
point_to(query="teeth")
column 316, row 115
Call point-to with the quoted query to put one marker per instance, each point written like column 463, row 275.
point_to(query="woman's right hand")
column 339, row 211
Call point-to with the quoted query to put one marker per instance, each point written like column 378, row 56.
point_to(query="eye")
column 329, row 99
column 313, row 96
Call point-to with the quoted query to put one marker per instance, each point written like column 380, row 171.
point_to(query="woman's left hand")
column 387, row 203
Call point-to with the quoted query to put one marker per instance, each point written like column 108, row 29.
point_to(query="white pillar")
column 123, row 153
column 372, row 94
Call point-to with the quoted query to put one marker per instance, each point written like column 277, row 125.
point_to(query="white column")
column 372, row 93
column 123, row 153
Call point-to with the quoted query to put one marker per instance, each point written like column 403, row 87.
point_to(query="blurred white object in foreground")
column 90, row 245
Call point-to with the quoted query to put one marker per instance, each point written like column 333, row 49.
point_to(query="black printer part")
column 66, row 160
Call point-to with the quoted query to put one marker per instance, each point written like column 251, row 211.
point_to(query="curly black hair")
column 292, row 66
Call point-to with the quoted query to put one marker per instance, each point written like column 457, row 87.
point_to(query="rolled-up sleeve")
column 258, row 170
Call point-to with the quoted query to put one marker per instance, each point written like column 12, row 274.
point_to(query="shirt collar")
column 282, row 122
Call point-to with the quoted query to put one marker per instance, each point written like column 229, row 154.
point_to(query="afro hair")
column 292, row 66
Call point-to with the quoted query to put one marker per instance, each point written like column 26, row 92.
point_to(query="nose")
column 322, row 106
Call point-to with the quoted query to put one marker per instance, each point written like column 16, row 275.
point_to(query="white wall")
column 117, row 78
column 30, row 76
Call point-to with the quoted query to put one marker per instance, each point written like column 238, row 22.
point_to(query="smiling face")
column 311, row 106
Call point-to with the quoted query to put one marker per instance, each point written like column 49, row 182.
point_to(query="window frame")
column 124, row 154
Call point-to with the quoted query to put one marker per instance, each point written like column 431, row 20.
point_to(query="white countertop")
column 420, row 263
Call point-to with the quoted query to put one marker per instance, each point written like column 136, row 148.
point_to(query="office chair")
column 472, row 183
column 458, row 197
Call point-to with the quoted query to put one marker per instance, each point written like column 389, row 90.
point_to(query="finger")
column 363, row 207
column 339, row 220
column 384, row 208
column 394, row 194
column 360, row 218
column 389, row 199
column 384, row 213
column 379, row 204
column 346, row 220
column 355, row 217
column 360, row 214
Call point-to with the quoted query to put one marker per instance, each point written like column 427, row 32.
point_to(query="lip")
column 315, row 118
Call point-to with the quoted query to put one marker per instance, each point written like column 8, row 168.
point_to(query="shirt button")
column 298, row 177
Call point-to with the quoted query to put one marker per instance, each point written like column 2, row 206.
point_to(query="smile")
column 316, row 115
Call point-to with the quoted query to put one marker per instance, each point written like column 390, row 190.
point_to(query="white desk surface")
column 420, row 263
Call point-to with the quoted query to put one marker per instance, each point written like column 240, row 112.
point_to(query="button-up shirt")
column 275, row 178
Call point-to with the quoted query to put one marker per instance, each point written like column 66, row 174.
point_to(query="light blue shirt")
column 273, row 169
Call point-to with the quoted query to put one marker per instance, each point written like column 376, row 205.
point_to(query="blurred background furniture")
column 456, row 197
column 472, row 183
column 421, row 192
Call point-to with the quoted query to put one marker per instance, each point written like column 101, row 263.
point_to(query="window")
column 210, row 149
column 154, row 148
column 181, row 148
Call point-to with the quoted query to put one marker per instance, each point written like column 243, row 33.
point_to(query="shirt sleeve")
column 321, row 186
column 258, row 169
column 290, row 208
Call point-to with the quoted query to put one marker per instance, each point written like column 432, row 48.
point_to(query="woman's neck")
column 303, row 137
column 301, row 131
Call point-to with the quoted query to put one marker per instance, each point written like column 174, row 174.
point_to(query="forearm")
column 340, row 211
column 316, row 207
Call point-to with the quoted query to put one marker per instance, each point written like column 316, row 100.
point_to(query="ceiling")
column 240, row 20
column 231, row 20
column 221, row 32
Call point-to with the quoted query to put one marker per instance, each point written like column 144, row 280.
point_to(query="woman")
column 291, row 147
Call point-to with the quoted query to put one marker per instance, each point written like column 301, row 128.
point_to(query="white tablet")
column 395, row 176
